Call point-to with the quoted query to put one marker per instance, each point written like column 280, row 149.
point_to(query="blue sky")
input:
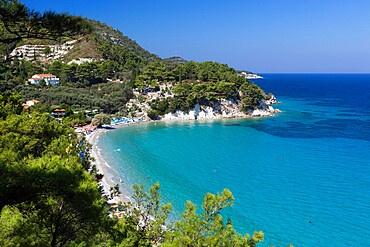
column 258, row 35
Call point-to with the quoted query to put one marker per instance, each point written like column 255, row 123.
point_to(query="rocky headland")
column 222, row 109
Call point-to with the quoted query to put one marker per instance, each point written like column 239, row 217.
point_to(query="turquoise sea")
column 302, row 177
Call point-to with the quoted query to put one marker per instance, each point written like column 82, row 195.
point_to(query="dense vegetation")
column 48, row 187
column 47, row 197
column 86, row 84
column 109, row 97
column 175, row 59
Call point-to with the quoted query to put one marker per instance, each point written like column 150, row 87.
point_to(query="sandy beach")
column 100, row 164
column 101, row 167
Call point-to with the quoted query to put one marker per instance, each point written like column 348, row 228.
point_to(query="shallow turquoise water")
column 307, row 164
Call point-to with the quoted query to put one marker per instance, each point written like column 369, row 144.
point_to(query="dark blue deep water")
column 302, row 177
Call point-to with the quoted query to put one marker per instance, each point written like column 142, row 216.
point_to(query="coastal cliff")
column 142, row 106
column 222, row 109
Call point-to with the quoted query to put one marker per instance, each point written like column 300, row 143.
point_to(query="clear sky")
column 257, row 35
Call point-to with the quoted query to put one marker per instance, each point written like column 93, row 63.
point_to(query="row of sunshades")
column 118, row 121
column 87, row 129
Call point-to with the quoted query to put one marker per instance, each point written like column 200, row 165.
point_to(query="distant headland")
column 248, row 75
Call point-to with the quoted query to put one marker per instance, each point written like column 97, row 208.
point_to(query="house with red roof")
column 31, row 102
column 48, row 78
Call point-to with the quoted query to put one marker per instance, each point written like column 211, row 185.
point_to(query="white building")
column 31, row 102
column 48, row 78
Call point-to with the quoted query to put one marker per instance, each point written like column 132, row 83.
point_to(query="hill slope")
column 105, row 32
column 84, row 47
column 175, row 60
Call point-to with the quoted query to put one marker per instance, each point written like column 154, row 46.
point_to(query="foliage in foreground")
column 144, row 223
column 47, row 196
column 209, row 228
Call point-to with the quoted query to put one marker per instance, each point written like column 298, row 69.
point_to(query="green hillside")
column 175, row 60
column 106, row 33
column 88, row 46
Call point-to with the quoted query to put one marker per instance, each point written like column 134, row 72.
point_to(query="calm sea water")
column 302, row 177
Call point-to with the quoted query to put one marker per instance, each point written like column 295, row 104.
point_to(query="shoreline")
column 99, row 162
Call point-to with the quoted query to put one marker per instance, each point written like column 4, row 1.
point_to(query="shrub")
column 153, row 114
column 101, row 119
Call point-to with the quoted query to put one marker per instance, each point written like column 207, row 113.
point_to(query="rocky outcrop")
column 113, row 39
column 272, row 100
column 222, row 109
column 32, row 52
column 82, row 60
column 263, row 110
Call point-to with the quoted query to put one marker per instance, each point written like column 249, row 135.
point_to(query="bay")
column 302, row 177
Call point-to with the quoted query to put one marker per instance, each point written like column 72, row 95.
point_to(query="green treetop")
column 18, row 22
column 101, row 119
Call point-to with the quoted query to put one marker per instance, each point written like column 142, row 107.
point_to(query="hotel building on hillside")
column 48, row 78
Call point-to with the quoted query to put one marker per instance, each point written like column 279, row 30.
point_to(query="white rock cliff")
column 222, row 109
